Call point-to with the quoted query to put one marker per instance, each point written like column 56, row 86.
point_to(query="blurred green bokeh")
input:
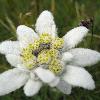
column 68, row 14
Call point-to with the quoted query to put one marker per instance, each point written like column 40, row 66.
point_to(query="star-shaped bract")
column 42, row 57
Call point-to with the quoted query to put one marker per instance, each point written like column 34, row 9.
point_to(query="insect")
column 89, row 23
column 42, row 46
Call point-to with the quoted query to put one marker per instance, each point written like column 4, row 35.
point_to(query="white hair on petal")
column 26, row 35
column 14, row 60
column 45, row 23
column 32, row 87
column 74, row 36
column 10, row 47
column 54, row 82
column 84, row 57
column 11, row 80
column 64, row 87
column 67, row 57
column 45, row 75
column 78, row 76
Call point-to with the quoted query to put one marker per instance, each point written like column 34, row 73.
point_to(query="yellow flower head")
column 44, row 50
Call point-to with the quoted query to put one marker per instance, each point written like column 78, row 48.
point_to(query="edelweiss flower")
column 42, row 57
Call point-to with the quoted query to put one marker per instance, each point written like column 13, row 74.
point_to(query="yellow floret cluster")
column 45, row 38
column 44, row 50
column 44, row 57
column 55, row 66
column 57, row 43
column 27, row 57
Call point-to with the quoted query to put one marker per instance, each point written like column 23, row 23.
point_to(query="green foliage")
column 68, row 14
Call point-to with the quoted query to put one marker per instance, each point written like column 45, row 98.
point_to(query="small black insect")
column 35, row 53
column 44, row 46
column 89, row 23
column 41, row 47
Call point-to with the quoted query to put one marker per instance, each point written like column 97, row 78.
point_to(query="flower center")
column 44, row 51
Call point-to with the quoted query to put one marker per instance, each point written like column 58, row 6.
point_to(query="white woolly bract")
column 78, row 76
column 9, row 47
column 11, row 80
column 67, row 57
column 45, row 24
column 14, row 60
column 74, row 36
column 32, row 87
column 45, row 75
column 26, row 35
column 84, row 57
column 54, row 82
column 23, row 68
column 64, row 87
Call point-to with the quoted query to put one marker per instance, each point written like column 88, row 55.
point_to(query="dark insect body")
column 41, row 47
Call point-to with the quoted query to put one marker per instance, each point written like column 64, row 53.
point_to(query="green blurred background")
column 68, row 14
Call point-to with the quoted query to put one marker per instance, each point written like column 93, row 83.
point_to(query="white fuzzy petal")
column 45, row 75
column 64, row 87
column 67, row 57
column 32, row 87
column 11, row 80
column 9, row 47
column 23, row 68
column 14, row 60
column 54, row 82
column 26, row 35
column 74, row 36
column 78, row 76
column 84, row 57
column 45, row 23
